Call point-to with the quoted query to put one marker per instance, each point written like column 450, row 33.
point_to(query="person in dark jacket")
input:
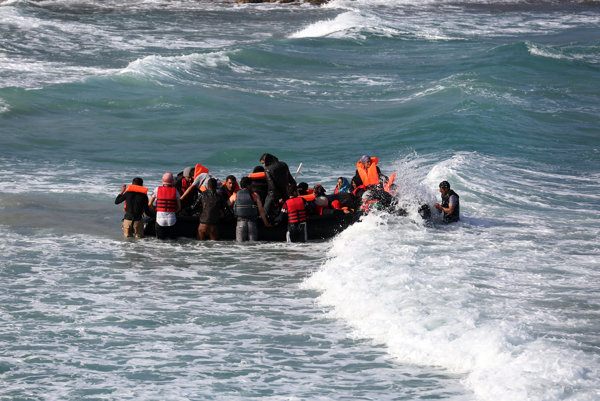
column 247, row 208
column 259, row 185
column 212, row 209
column 450, row 205
column 279, row 180
column 135, row 197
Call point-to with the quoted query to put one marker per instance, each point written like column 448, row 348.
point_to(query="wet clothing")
column 295, row 211
column 245, row 206
column 261, row 188
column 136, row 205
column 246, row 230
column 357, row 177
column 131, row 227
column 212, row 205
column 451, row 198
column 166, row 205
column 280, row 182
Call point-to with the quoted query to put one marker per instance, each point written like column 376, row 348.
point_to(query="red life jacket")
column 295, row 209
column 369, row 177
column 166, row 199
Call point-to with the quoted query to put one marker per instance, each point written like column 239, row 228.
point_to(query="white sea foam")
column 468, row 297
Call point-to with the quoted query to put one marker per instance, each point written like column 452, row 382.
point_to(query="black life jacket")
column 244, row 205
column 455, row 215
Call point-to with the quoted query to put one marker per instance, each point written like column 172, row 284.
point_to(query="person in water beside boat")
column 167, row 206
column 247, row 207
column 294, row 210
column 135, row 197
column 450, row 206
column 212, row 210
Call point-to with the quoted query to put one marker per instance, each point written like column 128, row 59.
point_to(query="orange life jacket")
column 199, row 170
column 369, row 177
column 257, row 176
column 309, row 197
column 236, row 188
column 388, row 185
column 166, row 199
column 134, row 188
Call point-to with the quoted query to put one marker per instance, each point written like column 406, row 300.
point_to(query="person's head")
column 340, row 182
column 318, row 190
column 137, row 181
column 354, row 183
column 188, row 172
column 245, row 182
column 230, row 183
column 259, row 169
column 211, row 185
column 267, row 159
column 444, row 187
column 366, row 161
column 167, row 178
column 302, row 188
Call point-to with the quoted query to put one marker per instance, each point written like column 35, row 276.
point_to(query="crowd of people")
column 270, row 193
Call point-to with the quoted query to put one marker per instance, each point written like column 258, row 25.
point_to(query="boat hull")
column 319, row 227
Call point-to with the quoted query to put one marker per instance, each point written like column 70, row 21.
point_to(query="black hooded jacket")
column 279, row 179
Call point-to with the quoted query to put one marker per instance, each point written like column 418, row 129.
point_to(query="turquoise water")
column 500, row 98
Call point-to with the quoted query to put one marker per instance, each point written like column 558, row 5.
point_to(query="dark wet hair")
column 137, row 181
column 258, row 169
column 445, row 185
column 231, row 177
column 245, row 182
column 211, row 184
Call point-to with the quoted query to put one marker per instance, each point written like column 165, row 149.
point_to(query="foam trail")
column 465, row 297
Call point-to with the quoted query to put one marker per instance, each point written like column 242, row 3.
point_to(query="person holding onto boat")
column 167, row 205
column 247, row 208
column 450, row 206
column 295, row 210
column 280, row 181
column 212, row 210
column 135, row 197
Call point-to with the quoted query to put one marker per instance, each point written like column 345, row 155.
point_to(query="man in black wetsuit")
column 279, row 180
column 135, row 197
column 450, row 205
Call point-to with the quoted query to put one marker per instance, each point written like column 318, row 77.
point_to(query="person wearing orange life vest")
column 368, row 173
column 136, row 204
column 295, row 210
column 167, row 205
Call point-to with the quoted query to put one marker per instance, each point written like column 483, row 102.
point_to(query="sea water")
column 500, row 98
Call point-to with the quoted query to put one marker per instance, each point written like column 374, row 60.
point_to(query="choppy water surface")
column 499, row 98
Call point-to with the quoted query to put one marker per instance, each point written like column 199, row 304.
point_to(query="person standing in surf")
column 167, row 205
column 295, row 210
column 247, row 208
column 136, row 204
column 450, row 205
